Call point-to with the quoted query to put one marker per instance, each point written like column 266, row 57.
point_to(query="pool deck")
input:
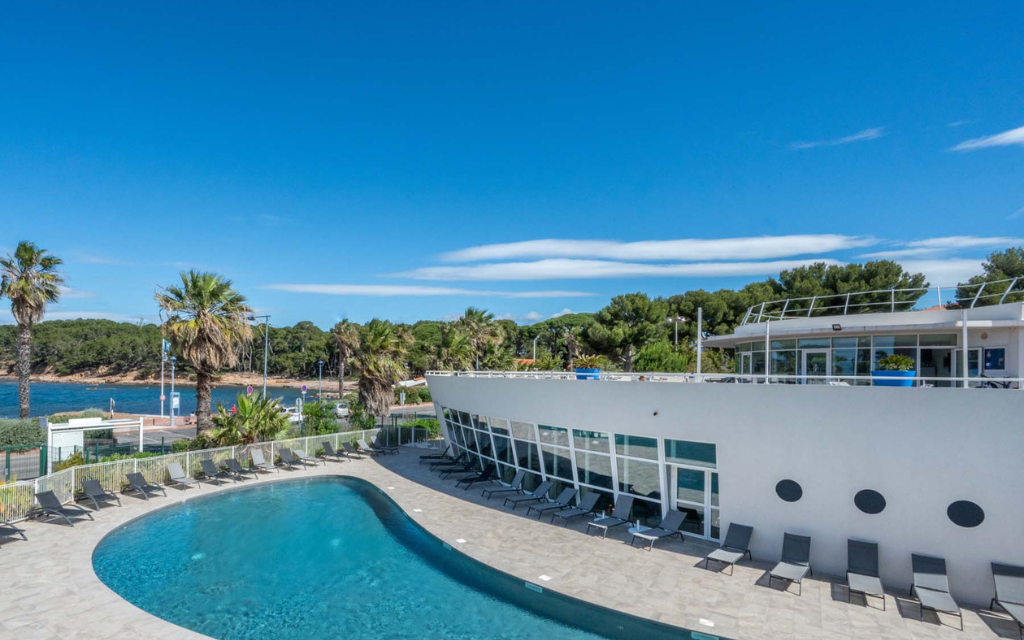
column 48, row 588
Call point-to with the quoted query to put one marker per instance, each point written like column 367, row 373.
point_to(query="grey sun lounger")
column 795, row 562
column 212, row 472
column 350, row 450
column 516, row 486
column 177, row 475
column 235, row 468
column 538, row 494
column 469, row 466
column 862, row 570
column 488, row 475
column 669, row 527
column 304, row 458
column 931, row 586
column 8, row 530
column 287, row 458
column 585, row 507
column 457, row 461
column 138, row 482
column 620, row 516
column 1009, row 581
column 329, row 452
column 94, row 491
column 436, row 456
column 562, row 501
column 736, row 545
column 386, row 448
column 368, row 449
column 50, row 507
column 259, row 462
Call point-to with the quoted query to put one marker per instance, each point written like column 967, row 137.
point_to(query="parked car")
column 341, row 409
column 294, row 415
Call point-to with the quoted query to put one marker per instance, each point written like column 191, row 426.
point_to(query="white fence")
column 17, row 499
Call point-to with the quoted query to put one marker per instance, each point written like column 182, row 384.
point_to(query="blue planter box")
column 896, row 378
column 588, row 374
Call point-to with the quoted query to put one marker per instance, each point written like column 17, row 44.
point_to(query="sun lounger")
column 795, row 562
column 585, row 507
column 620, row 516
column 368, row 449
column 235, row 468
column 931, row 586
column 50, row 506
column 305, row 459
column 329, row 452
column 259, row 462
column 562, row 501
column 94, row 491
column 516, row 486
column 458, row 461
column 386, row 448
column 669, row 527
column 350, row 450
column 538, row 494
column 8, row 530
column 436, row 456
column 736, row 545
column 1009, row 581
column 287, row 458
column 470, row 466
column 138, row 482
column 178, row 476
column 214, row 473
column 488, row 475
column 862, row 569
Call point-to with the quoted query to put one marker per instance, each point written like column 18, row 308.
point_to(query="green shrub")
column 18, row 433
column 319, row 418
column 432, row 426
column 76, row 459
column 121, row 456
column 197, row 443
column 64, row 418
column 896, row 362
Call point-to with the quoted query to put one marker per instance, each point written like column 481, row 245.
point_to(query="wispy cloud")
column 689, row 249
column 411, row 291
column 958, row 123
column 555, row 269
column 1013, row 137
column 867, row 134
column 95, row 258
column 895, row 254
column 68, row 292
column 946, row 272
column 1016, row 214
column 932, row 246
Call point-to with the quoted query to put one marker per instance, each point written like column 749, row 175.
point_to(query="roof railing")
column 886, row 301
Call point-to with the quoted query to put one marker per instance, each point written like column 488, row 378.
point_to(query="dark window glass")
column 639, row 477
column 557, row 462
column 591, row 440
column 939, row 340
column 499, row 426
column 815, row 343
column 789, row 490
column 995, row 359
column 526, row 455
column 594, row 469
column 503, row 450
column 869, row 501
column 699, row 454
column 636, row 447
column 647, row 512
column 965, row 513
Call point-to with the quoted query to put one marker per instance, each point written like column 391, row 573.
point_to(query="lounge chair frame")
column 620, row 516
column 735, row 543
column 930, row 577
column 796, row 559
column 862, row 562
column 1010, row 577
column 93, row 490
column 51, row 507
column 138, row 482
column 654, row 534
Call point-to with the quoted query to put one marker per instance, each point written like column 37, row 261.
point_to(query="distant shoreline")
column 230, row 379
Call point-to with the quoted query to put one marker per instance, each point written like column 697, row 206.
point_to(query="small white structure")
column 64, row 439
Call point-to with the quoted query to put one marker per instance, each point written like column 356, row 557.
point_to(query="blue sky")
column 406, row 160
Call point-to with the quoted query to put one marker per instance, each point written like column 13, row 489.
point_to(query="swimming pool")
column 330, row 557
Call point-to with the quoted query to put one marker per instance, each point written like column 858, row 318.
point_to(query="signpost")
column 174, row 396
column 165, row 347
column 248, row 390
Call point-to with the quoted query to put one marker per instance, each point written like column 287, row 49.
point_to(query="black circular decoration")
column 965, row 513
column 869, row 501
column 789, row 490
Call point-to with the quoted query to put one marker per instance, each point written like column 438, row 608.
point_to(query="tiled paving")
column 48, row 588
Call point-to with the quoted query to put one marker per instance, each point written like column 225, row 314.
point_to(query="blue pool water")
column 330, row 557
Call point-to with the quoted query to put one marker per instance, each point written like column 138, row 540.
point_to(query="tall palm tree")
column 481, row 329
column 206, row 320
column 31, row 281
column 382, row 351
column 346, row 337
column 454, row 351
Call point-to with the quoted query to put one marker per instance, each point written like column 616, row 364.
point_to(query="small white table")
column 638, row 530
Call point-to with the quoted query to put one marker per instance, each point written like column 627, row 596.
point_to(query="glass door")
column 936, row 362
column 695, row 493
column 817, row 362
column 746, row 366
column 973, row 364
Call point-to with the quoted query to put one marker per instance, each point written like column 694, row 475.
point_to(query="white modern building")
column 936, row 469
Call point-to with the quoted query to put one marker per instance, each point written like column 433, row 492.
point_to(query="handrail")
column 842, row 304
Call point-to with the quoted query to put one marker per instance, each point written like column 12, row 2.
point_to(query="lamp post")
column 266, row 347
column 320, row 382
column 173, row 361
column 675, row 321
column 535, row 349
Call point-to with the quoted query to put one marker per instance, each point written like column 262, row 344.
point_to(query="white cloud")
column 555, row 269
column 1005, row 139
column 899, row 253
column 1016, row 214
column 867, row 134
column 688, row 249
column 563, row 312
column 409, row 291
column 68, row 292
column 958, row 123
column 965, row 242
column 945, row 273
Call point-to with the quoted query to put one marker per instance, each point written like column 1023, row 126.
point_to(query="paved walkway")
column 48, row 588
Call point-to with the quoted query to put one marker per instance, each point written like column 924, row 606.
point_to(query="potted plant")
column 588, row 367
column 894, row 371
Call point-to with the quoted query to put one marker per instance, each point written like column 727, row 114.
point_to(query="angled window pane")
column 500, row 426
column 557, row 462
column 526, row 455
column 591, row 440
column 522, row 430
column 639, row 477
column 636, row 447
column 594, row 469
column 698, row 454
column 553, row 435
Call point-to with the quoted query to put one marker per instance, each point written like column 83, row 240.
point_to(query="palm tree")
column 382, row 352
column 454, row 351
column 346, row 336
column 206, row 320
column 257, row 419
column 481, row 329
column 31, row 281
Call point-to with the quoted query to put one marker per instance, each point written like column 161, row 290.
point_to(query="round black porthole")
column 965, row 513
column 789, row 490
column 869, row 501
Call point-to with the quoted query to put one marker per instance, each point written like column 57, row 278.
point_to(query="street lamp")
column 675, row 321
column 173, row 361
column 266, row 347
column 320, row 383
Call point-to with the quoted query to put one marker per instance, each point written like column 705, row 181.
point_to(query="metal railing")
column 884, row 301
column 17, row 499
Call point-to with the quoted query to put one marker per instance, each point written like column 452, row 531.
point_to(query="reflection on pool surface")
column 329, row 557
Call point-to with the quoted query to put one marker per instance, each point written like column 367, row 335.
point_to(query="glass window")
column 697, row 454
column 503, row 449
column 882, row 353
column 716, row 525
column 553, row 435
column 815, row 343
column 470, row 436
column 591, row 440
column 995, row 359
column 522, row 430
column 743, row 347
column 888, row 342
column 784, row 363
column 757, row 346
column 507, row 472
column 594, row 469
column 479, row 422
column 557, row 462
column 484, row 441
column 714, row 492
column 783, row 344
column 499, row 425
column 846, row 343
column 690, row 485
column 939, row 340
column 464, row 419
column 639, row 477
column 605, row 503
column 636, row 446
column 526, row 455
column 647, row 512
column 531, row 481
column 694, row 522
